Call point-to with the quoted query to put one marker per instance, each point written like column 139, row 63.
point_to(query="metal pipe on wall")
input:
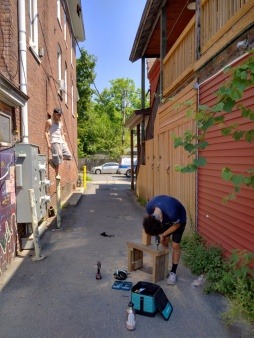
column 23, row 67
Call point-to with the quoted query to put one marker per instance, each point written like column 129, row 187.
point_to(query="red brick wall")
column 42, row 79
column 43, row 90
column 8, row 40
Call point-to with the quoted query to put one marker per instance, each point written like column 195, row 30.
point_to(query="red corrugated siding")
column 230, row 225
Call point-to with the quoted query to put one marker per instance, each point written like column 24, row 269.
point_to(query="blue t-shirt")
column 172, row 210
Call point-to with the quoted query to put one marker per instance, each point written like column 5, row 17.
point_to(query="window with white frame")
column 65, row 27
column 59, row 62
column 72, row 99
column 59, row 69
column 71, row 48
column 58, row 10
column 66, row 84
column 33, row 22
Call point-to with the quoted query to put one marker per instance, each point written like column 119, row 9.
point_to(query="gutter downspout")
column 197, row 86
column 23, row 67
column 141, row 160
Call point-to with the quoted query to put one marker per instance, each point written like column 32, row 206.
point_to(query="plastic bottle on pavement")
column 131, row 317
column 199, row 282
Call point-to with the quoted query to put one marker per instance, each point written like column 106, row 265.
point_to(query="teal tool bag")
column 148, row 298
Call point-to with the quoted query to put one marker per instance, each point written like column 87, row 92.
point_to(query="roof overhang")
column 137, row 117
column 146, row 27
column 10, row 94
column 76, row 16
column 147, row 40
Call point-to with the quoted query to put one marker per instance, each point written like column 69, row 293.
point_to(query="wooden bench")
column 159, row 258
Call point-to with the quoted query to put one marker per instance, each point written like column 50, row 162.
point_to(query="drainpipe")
column 163, row 43
column 23, row 66
column 197, row 30
column 196, row 86
column 143, row 97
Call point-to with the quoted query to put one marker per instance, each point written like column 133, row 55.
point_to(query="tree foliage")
column 85, row 78
column 228, row 98
column 101, row 115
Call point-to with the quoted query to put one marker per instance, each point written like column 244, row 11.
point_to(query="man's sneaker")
column 52, row 164
column 171, row 279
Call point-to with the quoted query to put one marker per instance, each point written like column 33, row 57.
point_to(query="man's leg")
column 176, row 253
column 56, row 156
column 66, row 152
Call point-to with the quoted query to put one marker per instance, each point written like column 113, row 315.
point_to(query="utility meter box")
column 31, row 172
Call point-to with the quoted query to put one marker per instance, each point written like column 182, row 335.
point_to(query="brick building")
column 38, row 42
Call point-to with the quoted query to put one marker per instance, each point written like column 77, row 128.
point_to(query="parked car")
column 128, row 171
column 125, row 165
column 106, row 168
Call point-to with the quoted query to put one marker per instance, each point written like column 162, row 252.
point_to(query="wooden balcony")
column 179, row 62
column 220, row 22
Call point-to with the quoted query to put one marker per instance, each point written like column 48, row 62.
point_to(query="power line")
column 80, row 49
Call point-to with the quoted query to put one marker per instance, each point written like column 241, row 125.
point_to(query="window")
column 5, row 130
column 66, row 84
column 72, row 99
column 59, row 10
column 33, row 20
column 59, row 62
column 71, row 48
column 65, row 27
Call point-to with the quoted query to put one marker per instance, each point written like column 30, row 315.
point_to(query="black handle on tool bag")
column 142, row 304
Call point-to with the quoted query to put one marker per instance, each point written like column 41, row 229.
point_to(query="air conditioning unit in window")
column 61, row 85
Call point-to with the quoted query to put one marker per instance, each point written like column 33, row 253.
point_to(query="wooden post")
column 163, row 42
column 146, row 239
column 197, row 30
column 132, row 164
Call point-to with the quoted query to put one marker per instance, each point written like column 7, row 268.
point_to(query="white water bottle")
column 131, row 317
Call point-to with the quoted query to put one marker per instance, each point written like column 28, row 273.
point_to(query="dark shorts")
column 177, row 235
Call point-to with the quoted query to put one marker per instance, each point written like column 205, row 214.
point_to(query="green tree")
column 85, row 79
column 101, row 115
column 117, row 103
column 228, row 97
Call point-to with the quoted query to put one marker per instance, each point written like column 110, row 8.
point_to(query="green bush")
column 142, row 201
column 231, row 277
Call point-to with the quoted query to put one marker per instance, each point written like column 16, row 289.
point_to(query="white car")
column 106, row 168
column 125, row 165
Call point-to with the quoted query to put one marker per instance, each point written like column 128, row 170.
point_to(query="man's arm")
column 47, row 126
column 170, row 230
column 63, row 134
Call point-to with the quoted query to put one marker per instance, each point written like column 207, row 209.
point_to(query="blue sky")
column 110, row 28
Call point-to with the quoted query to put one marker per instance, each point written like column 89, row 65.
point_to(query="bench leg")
column 135, row 259
column 146, row 239
column 160, row 267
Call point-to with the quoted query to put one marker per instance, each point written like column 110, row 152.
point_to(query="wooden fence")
column 158, row 175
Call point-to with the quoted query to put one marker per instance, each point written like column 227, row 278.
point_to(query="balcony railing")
column 215, row 14
column 179, row 61
column 220, row 20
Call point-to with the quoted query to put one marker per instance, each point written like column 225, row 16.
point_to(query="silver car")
column 106, row 168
